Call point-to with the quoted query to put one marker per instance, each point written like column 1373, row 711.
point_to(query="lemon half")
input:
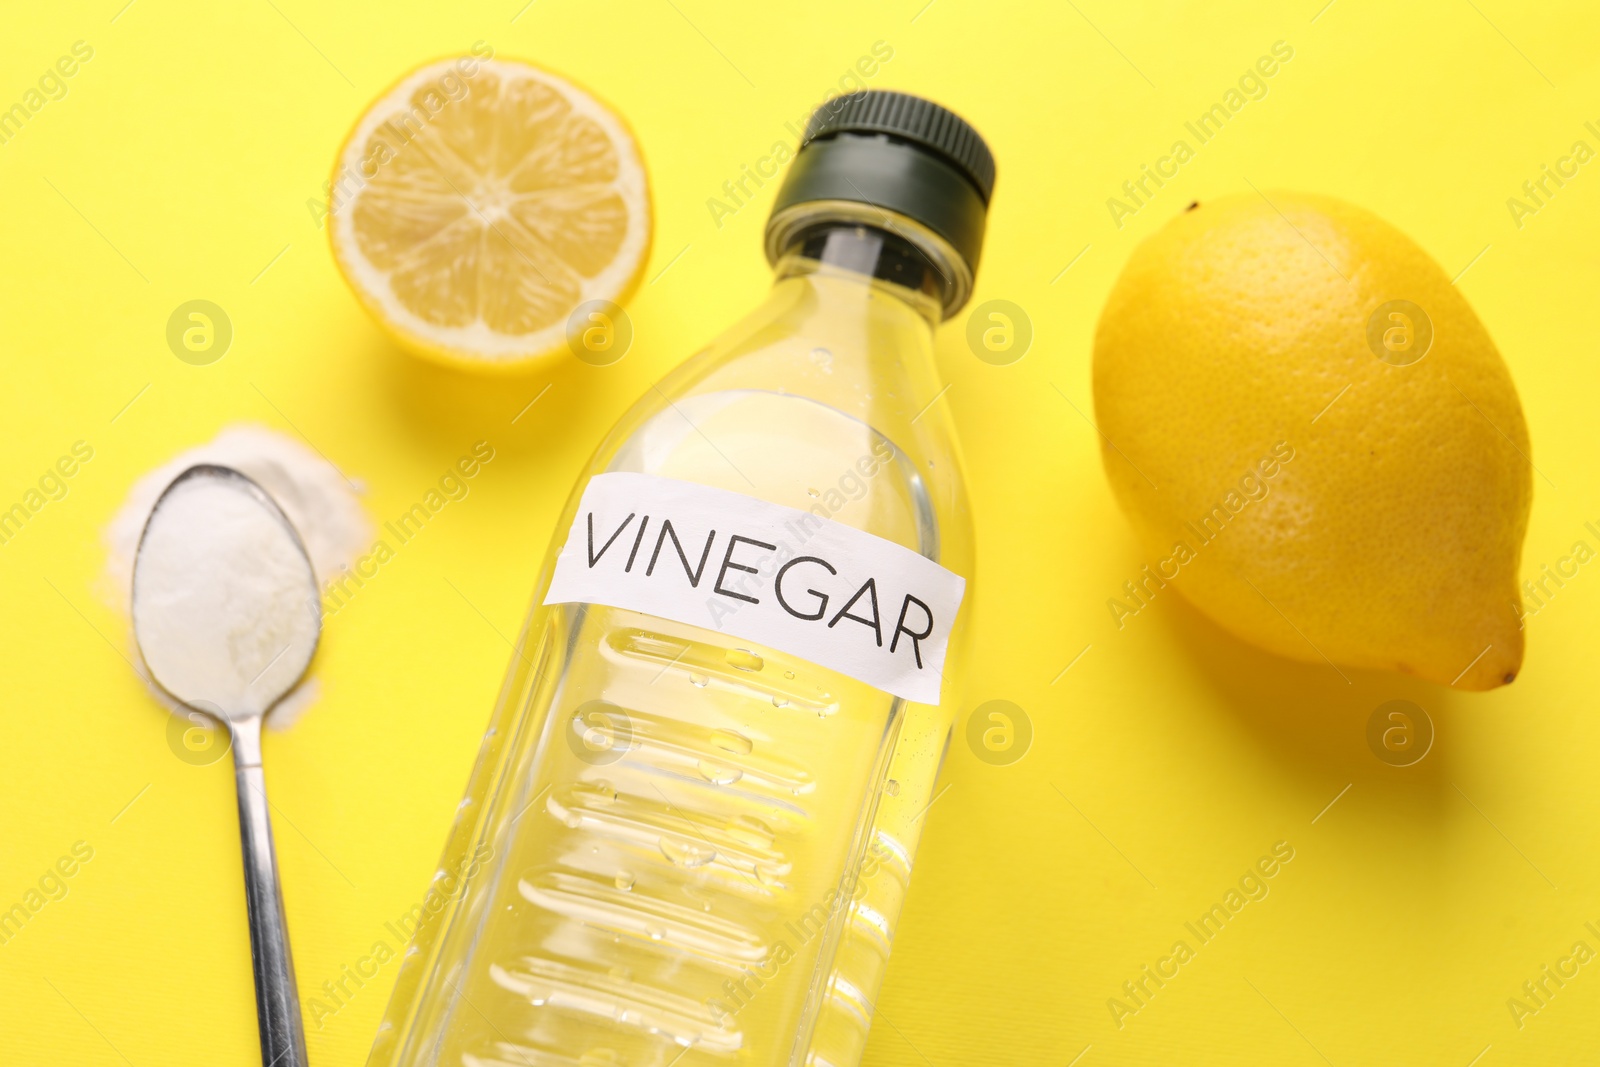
column 477, row 203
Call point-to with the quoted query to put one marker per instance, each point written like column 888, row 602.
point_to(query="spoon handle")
column 283, row 1040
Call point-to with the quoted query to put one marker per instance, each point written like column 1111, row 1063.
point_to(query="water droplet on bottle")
column 822, row 358
column 769, row 877
column 892, row 787
column 813, row 494
column 732, row 741
column 700, row 680
column 789, row 675
column 625, row 881
column 656, row 933
column 687, row 853
column 780, row 702
column 745, row 660
column 719, row 773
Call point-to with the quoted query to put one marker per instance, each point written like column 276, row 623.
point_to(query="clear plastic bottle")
column 683, row 846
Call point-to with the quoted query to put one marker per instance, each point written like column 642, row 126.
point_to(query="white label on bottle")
column 770, row 574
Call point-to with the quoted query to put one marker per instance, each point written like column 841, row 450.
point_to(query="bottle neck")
column 881, row 261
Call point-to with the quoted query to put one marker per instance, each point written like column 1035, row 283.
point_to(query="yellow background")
column 1165, row 761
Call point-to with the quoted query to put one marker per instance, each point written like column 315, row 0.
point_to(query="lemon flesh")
column 478, row 203
column 1322, row 478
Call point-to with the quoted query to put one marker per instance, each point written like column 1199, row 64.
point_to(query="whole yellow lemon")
column 1316, row 440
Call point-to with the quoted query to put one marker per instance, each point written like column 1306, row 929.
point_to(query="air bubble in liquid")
column 719, row 773
column 745, row 660
column 686, row 853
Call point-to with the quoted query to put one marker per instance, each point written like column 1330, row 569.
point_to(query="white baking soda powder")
column 224, row 598
column 319, row 502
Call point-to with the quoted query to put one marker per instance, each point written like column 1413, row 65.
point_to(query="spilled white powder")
column 318, row 500
column 224, row 599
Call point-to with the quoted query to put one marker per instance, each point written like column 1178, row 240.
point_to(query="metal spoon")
column 226, row 616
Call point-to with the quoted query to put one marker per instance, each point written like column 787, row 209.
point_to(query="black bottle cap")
column 880, row 158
